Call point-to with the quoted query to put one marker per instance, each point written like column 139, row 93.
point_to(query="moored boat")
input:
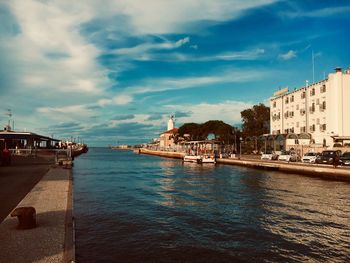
column 207, row 159
column 192, row 158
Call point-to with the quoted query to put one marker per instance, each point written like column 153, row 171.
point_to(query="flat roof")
column 24, row 136
column 298, row 89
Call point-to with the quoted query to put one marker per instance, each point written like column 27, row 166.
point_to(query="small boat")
column 207, row 159
column 200, row 152
column 192, row 158
column 137, row 150
column 199, row 159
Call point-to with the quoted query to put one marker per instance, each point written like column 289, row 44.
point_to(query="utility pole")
column 313, row 67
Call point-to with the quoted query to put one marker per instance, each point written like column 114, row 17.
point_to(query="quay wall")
column 176, row 155
column 322, row 171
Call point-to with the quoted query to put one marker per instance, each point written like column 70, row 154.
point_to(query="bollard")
column 26, row 217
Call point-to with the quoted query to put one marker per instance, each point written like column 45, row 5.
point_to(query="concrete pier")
column 176, row 155
column 322, row 171
column 52, row 239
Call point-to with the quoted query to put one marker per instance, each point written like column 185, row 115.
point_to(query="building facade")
column 166, row 139
column 321, row 109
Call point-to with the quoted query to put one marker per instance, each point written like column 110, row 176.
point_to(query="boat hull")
column 191, row 158
column 207, row 159
column 199, row 159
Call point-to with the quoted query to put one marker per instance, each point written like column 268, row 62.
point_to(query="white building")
column 166, row 139
column 171, row 123
column 321, row 109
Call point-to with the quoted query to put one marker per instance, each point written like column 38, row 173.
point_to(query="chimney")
column 337, row 69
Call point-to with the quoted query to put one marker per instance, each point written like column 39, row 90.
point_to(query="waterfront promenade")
column 322, row 171
column 52, row 239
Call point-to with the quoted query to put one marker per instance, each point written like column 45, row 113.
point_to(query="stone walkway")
column 52, row 199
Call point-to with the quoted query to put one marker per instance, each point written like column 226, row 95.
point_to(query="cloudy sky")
column 113, row 71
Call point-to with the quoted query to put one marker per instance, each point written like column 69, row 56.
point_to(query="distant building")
column 320, row 111
column 166, row 139
column 24, row 140
column 171, row 123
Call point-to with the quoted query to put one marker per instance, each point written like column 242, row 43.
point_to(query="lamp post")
column 240, row 147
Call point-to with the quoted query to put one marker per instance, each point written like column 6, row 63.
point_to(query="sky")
column 112, row 72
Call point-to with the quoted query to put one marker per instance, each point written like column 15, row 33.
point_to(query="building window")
column 323, row 106
column 274, row 104
column 286, row 115
column 274, row 117
column 302, row 111
column 292, row 98
column 303, row 95
column 287, row 100
column 323, row 88
column 312, row 108
column 291, row 113
column 312, row 92
column 303, row 129
column 312, row 128
column 286, row 130
column 322, row 127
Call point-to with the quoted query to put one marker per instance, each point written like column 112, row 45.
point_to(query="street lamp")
column 240, row 147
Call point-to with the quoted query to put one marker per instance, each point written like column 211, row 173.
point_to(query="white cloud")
column 289, row 55
column 180, row 57
column 48, row 28
column 141, row 49
column 182, row 42
column 226, row 76
column 228, row 111
column 324, row 12
column 162, row 17
column 71, row 112
column 122, row 99
column 104, row 102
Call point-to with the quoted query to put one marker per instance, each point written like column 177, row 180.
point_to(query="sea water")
column 141, row 208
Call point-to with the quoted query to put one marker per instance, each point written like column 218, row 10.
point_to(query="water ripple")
column 136, row 208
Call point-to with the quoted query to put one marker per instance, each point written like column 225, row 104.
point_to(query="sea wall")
column 176, row 155
column 322, row 171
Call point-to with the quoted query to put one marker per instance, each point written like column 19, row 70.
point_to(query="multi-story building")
column 321, row 109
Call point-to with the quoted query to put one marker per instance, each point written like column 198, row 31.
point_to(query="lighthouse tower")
column 171, row 123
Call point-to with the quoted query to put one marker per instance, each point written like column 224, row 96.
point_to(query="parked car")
column 309, row 157
column 288, row 156
column 269, row 155
column 329, row 157
column 345, row 159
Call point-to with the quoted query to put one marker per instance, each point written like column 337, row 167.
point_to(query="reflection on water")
column 136, row 208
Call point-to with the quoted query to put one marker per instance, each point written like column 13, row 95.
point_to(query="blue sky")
column 113, row 71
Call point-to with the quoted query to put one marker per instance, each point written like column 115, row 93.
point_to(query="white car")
column 288, row 156
column 309, row 157
column 269, row 156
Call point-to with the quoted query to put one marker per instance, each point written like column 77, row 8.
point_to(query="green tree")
column 222, row 131
column 256, row 120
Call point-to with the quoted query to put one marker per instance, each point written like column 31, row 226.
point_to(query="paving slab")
column 51, row 198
